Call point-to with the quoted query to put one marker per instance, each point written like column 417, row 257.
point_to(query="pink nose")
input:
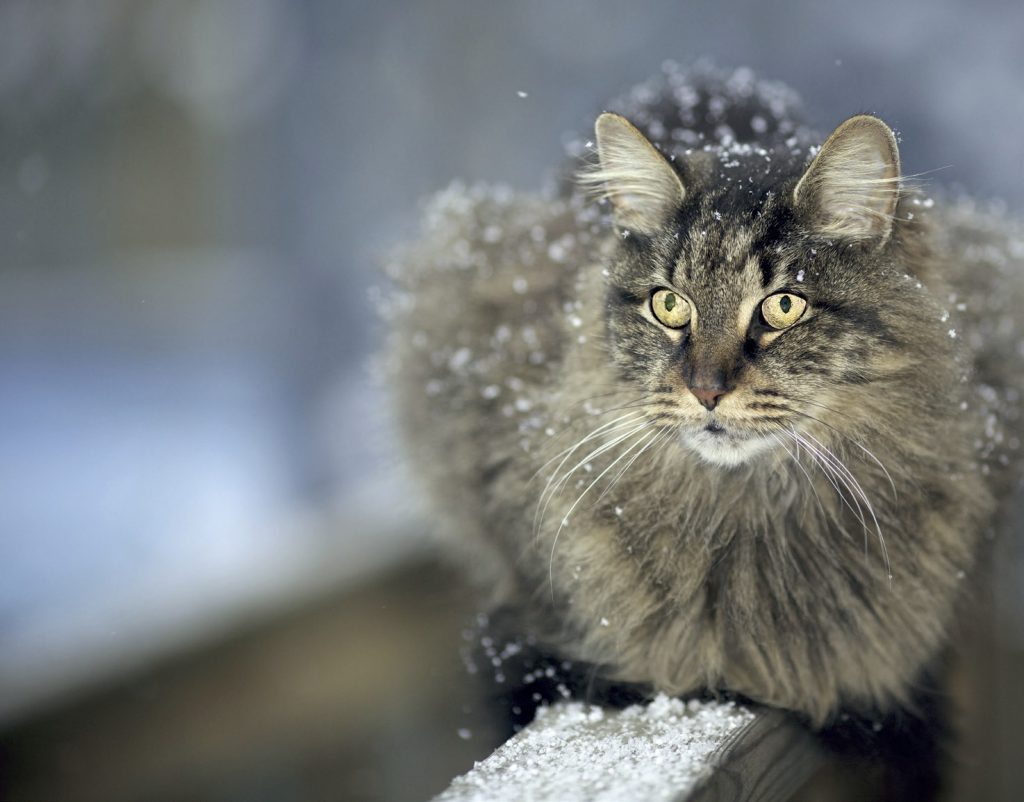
column 708, row 396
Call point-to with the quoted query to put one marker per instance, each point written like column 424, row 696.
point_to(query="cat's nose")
column 708, row 396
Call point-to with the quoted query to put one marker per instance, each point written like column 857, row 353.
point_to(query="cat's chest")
column 690, row 596
column 671, row 538
column 641, row 559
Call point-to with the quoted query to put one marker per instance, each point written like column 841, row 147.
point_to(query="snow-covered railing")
column 668, row 750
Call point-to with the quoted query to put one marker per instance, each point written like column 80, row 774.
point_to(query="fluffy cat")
column 741, row 427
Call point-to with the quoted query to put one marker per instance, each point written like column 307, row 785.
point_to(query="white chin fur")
column 725, row 449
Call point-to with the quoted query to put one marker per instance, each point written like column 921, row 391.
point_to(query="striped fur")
column 806, row 542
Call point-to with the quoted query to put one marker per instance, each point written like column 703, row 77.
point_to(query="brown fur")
column 521, row 326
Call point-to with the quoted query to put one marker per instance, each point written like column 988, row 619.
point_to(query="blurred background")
column 214, row 582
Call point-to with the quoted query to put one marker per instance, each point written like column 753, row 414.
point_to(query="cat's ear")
column 643, row 188
column 851, row 189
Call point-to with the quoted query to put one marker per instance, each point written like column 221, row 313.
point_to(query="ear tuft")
column 851, row 189
column 644, row 189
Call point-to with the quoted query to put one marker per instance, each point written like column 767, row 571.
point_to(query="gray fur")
column 670, row 556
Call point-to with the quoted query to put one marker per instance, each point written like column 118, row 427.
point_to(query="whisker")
column 565, row 517
column 843, row 470
column 853, row 440
column 830, row 473
column 625, row 468
column 586, row 438
column 799, row 464
column 550, row 490
column 646, row 401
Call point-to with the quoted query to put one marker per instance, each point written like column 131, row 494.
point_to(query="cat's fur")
column 680, row 557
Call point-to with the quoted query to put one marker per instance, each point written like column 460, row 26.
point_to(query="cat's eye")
column 670, row 308
column 782, row 310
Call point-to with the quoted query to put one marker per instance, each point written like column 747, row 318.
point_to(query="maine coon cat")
column 742, row 424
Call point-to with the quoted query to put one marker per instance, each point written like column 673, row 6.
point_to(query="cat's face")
column 755, row 315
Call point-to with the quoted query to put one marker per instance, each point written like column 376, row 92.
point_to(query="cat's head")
column 753, row 297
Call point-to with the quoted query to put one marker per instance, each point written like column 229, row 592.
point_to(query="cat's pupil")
column 785, row 304
column 670, row 302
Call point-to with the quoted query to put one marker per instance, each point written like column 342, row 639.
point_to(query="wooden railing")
column 669, row 750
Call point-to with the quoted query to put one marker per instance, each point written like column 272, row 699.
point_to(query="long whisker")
column 835, row 479
column 819, row 459
column 586, row 438
column 861, row 446
column 565, row 518
column 663, row 438
column 840, row 468
column 803, row 470
column 645, row 401
column 636, row 405
column 843, row 471
column 554, row 486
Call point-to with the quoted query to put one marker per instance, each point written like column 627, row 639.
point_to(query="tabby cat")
column 731, row 413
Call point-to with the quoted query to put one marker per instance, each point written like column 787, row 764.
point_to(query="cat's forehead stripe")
column 712, row 248
column 766, row 269
column 736, row 246
column 757, row 273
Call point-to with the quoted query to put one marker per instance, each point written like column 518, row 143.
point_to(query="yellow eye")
column 782, row 310
column 670, row 308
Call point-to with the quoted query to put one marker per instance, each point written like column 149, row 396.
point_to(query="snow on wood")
column 667, row 750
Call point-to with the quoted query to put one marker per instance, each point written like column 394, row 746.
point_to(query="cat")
column 730, row 412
